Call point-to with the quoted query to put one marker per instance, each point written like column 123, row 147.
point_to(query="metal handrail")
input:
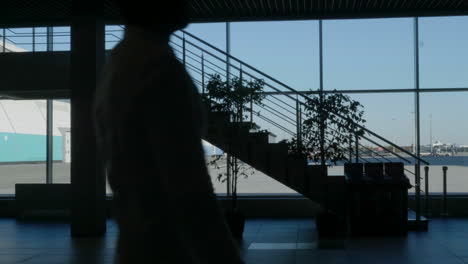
column 272, row 111
column 266, row 119
column 383, row 157
column 176, row 44
column 303, row 95
column 285, row 118
column 379, row 145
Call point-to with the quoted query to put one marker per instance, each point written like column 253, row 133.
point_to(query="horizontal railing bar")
column 277, row 114
column 375, row 152
column 271, row 121
column 301, row 94
column 373, row 142
column 282, row 107
column 409, row 171
column 231, row 72
column 284, row 102
column 275, row 124
column 232, row 65
column 208, row 67
column 205, row 59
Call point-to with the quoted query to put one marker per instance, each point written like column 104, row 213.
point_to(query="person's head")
column 160, row 16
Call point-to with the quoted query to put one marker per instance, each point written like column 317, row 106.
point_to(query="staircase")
column 281, row 113
column 255, row 149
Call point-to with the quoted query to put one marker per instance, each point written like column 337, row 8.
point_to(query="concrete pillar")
column 88, row 214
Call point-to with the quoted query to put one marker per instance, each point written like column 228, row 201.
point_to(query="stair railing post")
column 251, row 107
column 426, row 189
column 241, row 110
column 203, row 72
column 33, row 39
column 444, row 195
column 4, row 40
column 417, row 183
column 228, row 82
column 322, row 129
column 251, row 113
column 228, row 173
column 183, row 49
column 357, row 148
column 298, row 124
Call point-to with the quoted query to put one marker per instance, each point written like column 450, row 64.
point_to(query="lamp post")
column 414, row 134
column 394, row 137
column 430, row 133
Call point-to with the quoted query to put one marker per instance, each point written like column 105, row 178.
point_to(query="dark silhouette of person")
column 149, row 127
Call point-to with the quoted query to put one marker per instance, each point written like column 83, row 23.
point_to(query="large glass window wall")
column 363, row 58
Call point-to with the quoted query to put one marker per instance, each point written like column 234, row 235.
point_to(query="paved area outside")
column 457, row 178
column 36, row 173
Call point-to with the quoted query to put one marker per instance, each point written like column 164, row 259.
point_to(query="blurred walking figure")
column 149, row 122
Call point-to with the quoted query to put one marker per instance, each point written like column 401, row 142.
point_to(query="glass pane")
column 22, row 143
column 213, row 33
column 40, row 42
column 443, row 52
column 62, row 141
column 368, row 54
column 391, row 116
column 198, row 49
column 444, row 141
column 114, row 34
column 287, row 51
column 61, row 39
column 18, row 39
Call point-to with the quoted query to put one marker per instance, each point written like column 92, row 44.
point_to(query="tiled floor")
column 267, row 241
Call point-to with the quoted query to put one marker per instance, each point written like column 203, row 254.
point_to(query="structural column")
column 228, row 81
column 50, row 116
column 322, row 97
column 88, row 214
column 417, row 123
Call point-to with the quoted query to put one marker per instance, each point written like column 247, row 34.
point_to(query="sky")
column 357, row 54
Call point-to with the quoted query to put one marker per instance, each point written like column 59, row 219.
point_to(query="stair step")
column 218, row 117
column 258, row 156
column 259, row 137
column 277, row 158
column 296, row 167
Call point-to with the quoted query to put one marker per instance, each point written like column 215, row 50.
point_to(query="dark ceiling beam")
column 337, row 15
column 27, row 13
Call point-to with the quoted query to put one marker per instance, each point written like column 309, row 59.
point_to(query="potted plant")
column 236, row 98
column 234, row 169
column 329, row 127
column 325, row 135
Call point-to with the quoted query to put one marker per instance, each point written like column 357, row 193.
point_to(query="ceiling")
column 58, row 12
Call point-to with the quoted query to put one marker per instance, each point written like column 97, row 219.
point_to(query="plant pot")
column 236, row 223
column 374, row 171
column 296, row 166
column 317, row 183
column 395, row 170
column 329, row 225
column 354, row 171
column 320, row 172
